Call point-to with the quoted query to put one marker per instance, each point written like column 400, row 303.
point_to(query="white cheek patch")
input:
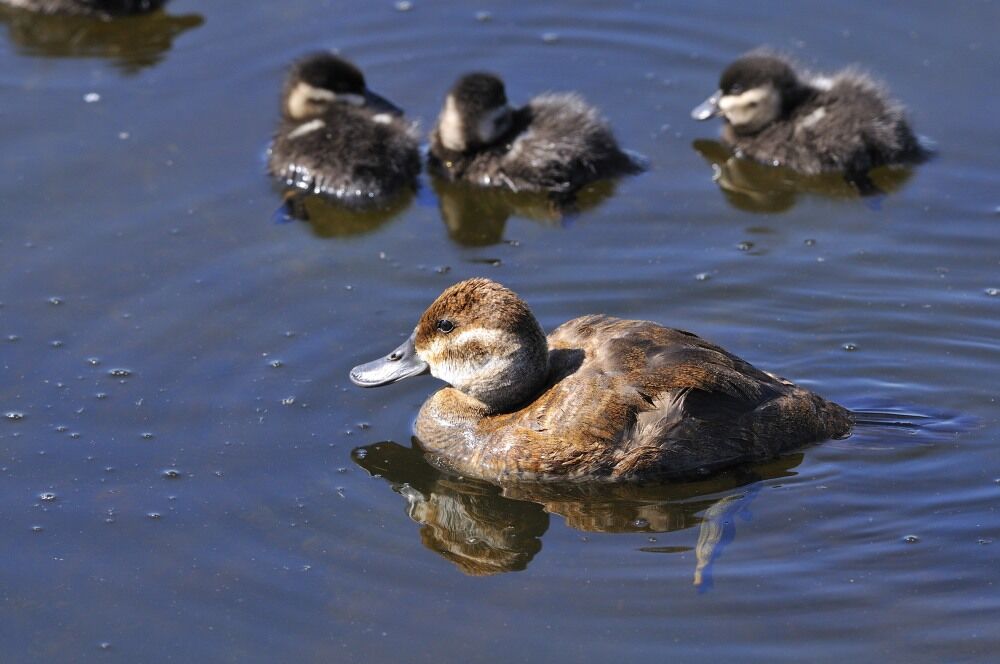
column 755, row 106
column 450, row 129
column 460, row 372
column 304, row 100
column 490, row 127
column 306, row 128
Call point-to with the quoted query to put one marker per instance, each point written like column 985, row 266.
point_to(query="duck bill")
column 708, row 108
column 380, row 104
column 397, row 365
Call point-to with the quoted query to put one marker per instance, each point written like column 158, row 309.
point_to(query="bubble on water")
column 652, row 540
column 101, row 395
column 120, row 373
column 360, row 453
column 809, row 242
column 62, row 428
column 992, row 292
column 640, row 523
column 56, row 300
column 171, row 474
column 74, row 435
column 288, row 401
column 985, row 540
column 703, row 276
column 443, row 269
column 13, row 338
column 47, row 496
column 153, row 515
column 484, row 17
column 404, row 6
column 849, row 347
column 94, row 361
column 911, row 539
column 91, row 97
column 104, row 645
column 146, row 435
column 289, row 334
column 37, row 529
column 746, row 245
column 57, row 343
column 13, row 416
column 123, row 135
column 364, row 426
column 276, row 364
column 550, row 37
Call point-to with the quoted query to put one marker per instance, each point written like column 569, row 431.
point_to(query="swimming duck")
column 99, row 8
column 599, row 398
column 338, row 138
column 812, row 124
column 556, row 143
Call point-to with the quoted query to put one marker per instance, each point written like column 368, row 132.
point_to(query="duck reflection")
column 755, row 187
column 331, row 219
column 475, row 216
column 485, row 529
column 132, row 42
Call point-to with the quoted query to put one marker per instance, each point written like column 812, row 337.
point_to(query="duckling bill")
column 338, row 138
column 599, row 398
column 778, row 115
column 555, row 143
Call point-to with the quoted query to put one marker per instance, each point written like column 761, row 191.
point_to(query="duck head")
column 753, row 92
column 479, row 337
column 320, row 80
column 475, row 113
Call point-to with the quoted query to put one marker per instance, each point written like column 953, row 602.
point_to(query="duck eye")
column 445, row 326
column 752, row 104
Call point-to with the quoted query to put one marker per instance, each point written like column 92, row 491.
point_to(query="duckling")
column 98, row 8
column 556, row 143
column 812, row 124
column 599, row 398
column 337, row 137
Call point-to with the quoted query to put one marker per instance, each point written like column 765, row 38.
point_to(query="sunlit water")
column 187, row 475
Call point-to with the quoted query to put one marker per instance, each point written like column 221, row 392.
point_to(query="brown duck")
column 600, row 398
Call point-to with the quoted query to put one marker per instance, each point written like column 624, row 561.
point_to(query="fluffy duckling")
column 812, row 124
column 556, row 143
column 338, row 138
column 99, row 8
column 600, row 398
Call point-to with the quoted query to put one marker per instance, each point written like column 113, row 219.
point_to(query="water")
column 178, row 464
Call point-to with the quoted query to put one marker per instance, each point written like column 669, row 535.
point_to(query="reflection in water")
column 330, row 218
column 755, row 187
column 486, row 529
column 476, row 216
column 133, row 42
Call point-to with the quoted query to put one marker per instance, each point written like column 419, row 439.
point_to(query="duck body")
column 602, row 398
column 338, row 139
column 777, row 115
column 555, row 143
column 97, row 8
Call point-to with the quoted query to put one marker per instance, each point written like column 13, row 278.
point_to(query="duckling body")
column 99, row 8
column 339, row 139
column 557, row 142
column 599, row 398
column 777, row 115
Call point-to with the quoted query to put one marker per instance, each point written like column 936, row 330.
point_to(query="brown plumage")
column 601, row 398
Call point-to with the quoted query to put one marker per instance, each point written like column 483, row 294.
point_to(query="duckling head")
column 320, row 80
column 475, row 113
column 753, row 92
column 479, row 337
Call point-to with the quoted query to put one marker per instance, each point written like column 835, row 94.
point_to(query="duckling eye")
column 752, row 104
column 445, row 326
